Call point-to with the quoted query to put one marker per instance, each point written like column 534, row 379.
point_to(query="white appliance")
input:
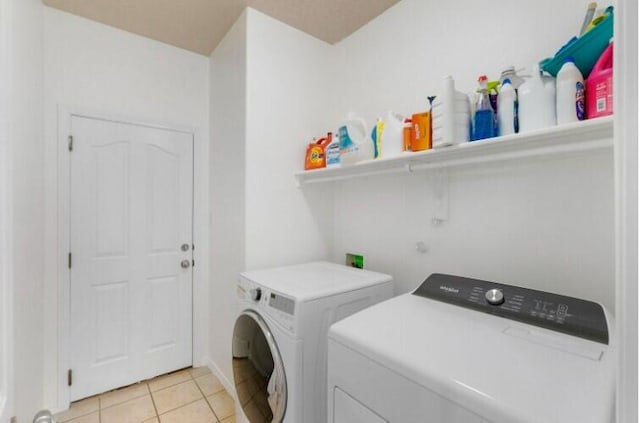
column 280, row 336
column 464, row 350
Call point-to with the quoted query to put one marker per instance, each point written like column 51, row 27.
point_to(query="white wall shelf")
column 569, row 139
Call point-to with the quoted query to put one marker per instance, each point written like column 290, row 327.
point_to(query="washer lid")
column 503, row 370
column 310, row 281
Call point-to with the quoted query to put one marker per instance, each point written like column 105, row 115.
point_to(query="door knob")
column 184, row 247
column 185, row 264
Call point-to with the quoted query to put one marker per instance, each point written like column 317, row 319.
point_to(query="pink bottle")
column 599, row 86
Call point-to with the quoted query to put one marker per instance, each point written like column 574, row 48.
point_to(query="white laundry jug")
column 537, row 101
column 392, row 135
column 355, row 144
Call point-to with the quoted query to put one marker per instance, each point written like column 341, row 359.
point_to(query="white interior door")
column 131, row 245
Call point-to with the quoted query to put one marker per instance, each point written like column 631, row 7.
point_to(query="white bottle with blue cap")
column 507, row 108
column 569, row 93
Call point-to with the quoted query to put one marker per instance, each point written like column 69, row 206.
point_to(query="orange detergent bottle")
column 316, row 157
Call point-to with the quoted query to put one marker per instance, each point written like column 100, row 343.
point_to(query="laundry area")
column 341, row 211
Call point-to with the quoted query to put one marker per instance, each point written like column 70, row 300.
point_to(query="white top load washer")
column 465, row 350
column 280, row 336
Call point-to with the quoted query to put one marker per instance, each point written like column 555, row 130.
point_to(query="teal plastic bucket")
column 585, row 50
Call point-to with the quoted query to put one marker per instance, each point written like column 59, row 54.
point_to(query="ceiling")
column 199, row 25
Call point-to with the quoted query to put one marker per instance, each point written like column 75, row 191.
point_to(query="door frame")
column 200, row 236
column 626, row 207
column 6, row 279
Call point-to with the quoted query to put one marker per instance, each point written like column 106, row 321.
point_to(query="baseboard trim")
column 228, row 385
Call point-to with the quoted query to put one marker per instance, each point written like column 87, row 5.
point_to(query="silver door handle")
column 184, row 247
column 185, row 264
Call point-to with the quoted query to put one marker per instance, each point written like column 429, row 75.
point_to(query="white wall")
column 400, row 58
column 26, row 202
column 545, row 224
column 269, row 98
column 289, row 82
column 227, row 154
column 105, row 70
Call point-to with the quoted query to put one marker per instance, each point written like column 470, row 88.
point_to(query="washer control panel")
column 494, row 296
column 572, row 316
column 282, row 303
column 279, row 307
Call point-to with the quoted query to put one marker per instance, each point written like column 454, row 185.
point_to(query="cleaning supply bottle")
column 483, row 120
column 392, row 135
column 512, row 74
column 507, row 108
column 407, row 130
column 599, row 86
column 376, row 137
column 354, row 143
column 332, row 152
column 450, row 116
column 493, row 88
column 569, row 93
column 537, row 102
column 316, row 153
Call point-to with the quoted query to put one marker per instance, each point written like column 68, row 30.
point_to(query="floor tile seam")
column 167, row 375
column 153, row 401
column 172, row 385
column 216, row 414
column 81, row 415
column 144, row 419
column 184, row 405
column 220, row 389
column 125, row 401
column 207, row 401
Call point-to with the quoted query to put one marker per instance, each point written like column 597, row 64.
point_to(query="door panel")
column 131, row 210
column 112, row 205
column 110, row 334
column 165, row 315
column 163, row 189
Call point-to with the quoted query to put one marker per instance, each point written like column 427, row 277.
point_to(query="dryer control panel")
column 569, row 315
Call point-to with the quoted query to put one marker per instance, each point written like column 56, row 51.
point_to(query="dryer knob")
column 256, row 294
column 494, row 297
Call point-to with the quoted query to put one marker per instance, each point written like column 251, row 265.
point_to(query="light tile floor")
column 186, row 396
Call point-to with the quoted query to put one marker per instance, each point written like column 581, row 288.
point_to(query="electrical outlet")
column 354, row 260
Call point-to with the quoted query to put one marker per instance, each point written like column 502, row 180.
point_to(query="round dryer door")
column 258, row 372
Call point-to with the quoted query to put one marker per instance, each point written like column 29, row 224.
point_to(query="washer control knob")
column 255, row 294
column 494, row 296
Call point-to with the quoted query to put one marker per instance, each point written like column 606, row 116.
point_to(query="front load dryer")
column 460, row 350
column 280, row 336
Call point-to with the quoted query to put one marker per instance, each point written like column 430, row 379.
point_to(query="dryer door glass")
column 258, row 371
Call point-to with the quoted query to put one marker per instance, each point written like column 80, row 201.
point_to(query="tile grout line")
column 150, row 393
column 205, row 397
column 81, row 415
column 183, row 405
column 153, row 401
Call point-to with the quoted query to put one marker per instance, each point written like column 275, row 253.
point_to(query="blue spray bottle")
column 484, row 117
